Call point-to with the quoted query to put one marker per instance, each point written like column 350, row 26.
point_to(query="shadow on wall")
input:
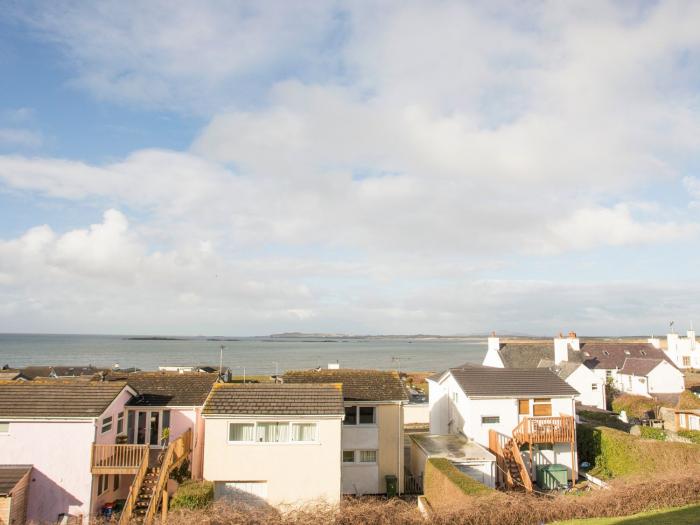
column 47, row 499
column 241, row 499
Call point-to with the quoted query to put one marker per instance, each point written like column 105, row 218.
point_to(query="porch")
column 118, row 459
column 548, row 429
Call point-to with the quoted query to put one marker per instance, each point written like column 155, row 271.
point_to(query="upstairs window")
column 355, row 415
column 524, row 407
column 542, row 407
column 350, row 416
column 367, row 416
column 303, row 431
column 272, row 432
column 120, row 422
column 686, row 360
column 241, row 432
column 594, row 386
column 106, row 424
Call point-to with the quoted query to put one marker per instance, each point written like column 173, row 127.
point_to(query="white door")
column 246, row 491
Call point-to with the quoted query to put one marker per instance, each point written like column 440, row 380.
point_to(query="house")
column 682, row 351
column 226, row 373
column 168, row 400
column 609, row 361
column 14, row 493
column 563, row 357
column 525, row 417
column 373, row 433
column 275, row 444
column 53, row 426
column 62, row 372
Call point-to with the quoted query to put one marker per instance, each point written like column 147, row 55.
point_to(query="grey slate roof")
column 528, row 355
column 56, row 398
column 275, row 399
column 612, row 355
column 639, row 367
column 10, row 476
column 358, row 385
column 511, row 382
column 172, row 389
column 563, row 369
column 33, row 372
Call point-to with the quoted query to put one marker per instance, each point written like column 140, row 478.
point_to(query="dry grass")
column 496, row 509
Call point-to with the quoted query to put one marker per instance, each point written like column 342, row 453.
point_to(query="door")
column 149, row 425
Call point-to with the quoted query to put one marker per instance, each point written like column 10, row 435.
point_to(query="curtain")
column 240, row 432
column 368, row 456
column 304, row 432
column 273, row 432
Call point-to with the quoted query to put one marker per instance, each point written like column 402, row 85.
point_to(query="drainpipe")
column 399, row 474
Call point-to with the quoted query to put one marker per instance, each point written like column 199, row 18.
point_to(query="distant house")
column 172, row 400
column 563, row 356
column 525, row 417
column 205, row 369
column 276, row 444
column 62, row 372
column 683, row 351
column 53, row 426
column 373, row 433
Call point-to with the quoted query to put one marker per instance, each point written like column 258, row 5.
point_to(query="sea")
column 249, row 355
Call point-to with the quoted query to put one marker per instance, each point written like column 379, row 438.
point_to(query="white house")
column 508, row 409
column 373, row 432
column 276, row 444
column 644, row 376
column 52, row 425
column 563, row 357
column 683, row 351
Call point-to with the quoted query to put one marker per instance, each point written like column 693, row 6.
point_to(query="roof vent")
column 627, row 352
column 605, row 352
column 643, row 352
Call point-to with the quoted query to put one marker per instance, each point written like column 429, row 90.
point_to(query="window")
column 120, row 422
column 608, row 373
column 4, row 427
column 106, row 424
column 455, row 397
column 241, row 431
column 348, row 456
column 594, row 386
column 366, row 415
column 490, row 420
column 303, row 431
column 686, row 360
column 102, row 484
column 368, row 456
column 115, row 484
column 524, row 407
column 273, row 432
column 542, row 407
column 350, row 416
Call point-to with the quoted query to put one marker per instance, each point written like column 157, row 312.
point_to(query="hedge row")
column 658, row 434
column 193, row 495
column 692, row 435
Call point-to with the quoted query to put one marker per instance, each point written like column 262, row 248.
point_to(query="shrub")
column 692, row 435
column 653, row 433
column 635, row 406
column 444, row 484
column 688, row 401
column 193, row 495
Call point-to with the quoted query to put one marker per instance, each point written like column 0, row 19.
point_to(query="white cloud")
column 19, row 138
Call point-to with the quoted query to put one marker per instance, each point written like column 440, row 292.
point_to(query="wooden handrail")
column 547, row 429
column 114, row 457
column 175, row 454
column 524, row 474
column 497, row 449
column 128, row 509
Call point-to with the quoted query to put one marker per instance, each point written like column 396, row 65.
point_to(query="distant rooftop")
column 173, row 389
column 358, row 385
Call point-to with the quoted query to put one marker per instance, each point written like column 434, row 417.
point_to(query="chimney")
column 655, row 342
column 561, row 349
column 573, row 341
column 494, row 344
column 691, row 337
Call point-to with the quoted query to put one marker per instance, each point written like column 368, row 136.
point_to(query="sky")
column 393, row 167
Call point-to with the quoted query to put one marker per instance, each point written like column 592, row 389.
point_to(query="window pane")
column 120, row 422
column 130, row 430
column 350, row 416
column 304, row 432
column 107, row 424
column 240, row 432
column 155, row 436
column 368, row 456
column 4, row 427
column 490, row 420
column 542, row 410
column 524, row 407
column 348, row 456
column 366, row 415
column 273, row 432
column 166, row 423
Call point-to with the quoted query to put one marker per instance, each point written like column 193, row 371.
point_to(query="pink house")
column 53, row 425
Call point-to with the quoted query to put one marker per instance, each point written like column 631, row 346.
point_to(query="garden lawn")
column 689, row 515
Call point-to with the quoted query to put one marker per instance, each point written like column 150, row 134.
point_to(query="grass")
column 689, row 515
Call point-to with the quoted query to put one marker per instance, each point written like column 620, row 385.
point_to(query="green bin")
column 551, row 477
column 391, row 486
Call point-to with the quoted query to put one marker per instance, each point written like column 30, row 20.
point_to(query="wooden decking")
column 117, row 459
column 533, row 430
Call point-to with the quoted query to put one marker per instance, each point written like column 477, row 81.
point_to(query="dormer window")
column 605, row 352
column 643, row 352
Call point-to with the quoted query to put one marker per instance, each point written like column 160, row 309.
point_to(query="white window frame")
column 354, row 456
column 102, row 484
column 357, row 455
column 5, row 432
column 357, row 416
column 594, row 386
column 497, row 422
column 120, row 423
column 289, row 441
column 106, row 422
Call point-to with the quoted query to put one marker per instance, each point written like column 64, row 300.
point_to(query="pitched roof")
column 612, row 355
column 639, row 367
column 9, row 375
column 563, row 369
column 57, row 398
column 32, row 372
column 174, row 389
column 511, row 382
column 528, row 355
column 10, row 476
column 358, row 385
column 275, row 399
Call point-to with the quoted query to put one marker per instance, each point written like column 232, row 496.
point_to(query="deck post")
column 164, row 506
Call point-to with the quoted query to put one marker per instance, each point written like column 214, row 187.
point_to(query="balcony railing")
column 560, row 429
column 117, row 459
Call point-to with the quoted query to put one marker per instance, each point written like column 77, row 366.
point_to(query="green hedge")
column 692, row 435
column 653, row 433
column 193, row 495
column 635, row 406
column 465, row 483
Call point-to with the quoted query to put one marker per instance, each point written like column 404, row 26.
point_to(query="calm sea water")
column 257, row 354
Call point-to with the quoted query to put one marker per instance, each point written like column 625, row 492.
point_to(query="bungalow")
column 563, row 357
column 373, row 433
column 525, row 417
column 53, row 426
column 276, row 444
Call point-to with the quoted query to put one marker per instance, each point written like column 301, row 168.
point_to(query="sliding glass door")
column 145, row 427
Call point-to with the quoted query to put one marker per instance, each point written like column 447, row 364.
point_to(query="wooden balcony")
column 117, row 459
column 549, row 429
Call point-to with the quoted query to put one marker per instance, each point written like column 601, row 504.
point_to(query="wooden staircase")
column 145, row 494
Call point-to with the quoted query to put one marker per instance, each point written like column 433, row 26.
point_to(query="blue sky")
column 362, row 167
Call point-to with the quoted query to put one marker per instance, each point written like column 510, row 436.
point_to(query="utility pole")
column 221, row 361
